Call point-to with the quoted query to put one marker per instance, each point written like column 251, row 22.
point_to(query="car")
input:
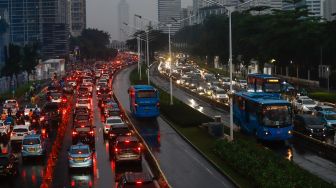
column 19, row 132
column 5, row 131
column 31, row 107
column 33, row 145
column 136, row 179
column 225, row 81
column 83, row 133
column 111, row 109
column 329, row 117
column 100, row 85
column 126, row 148
column 80, row 156
column 111, row 121
column 220, row 95
column 83, row 103
column 118, row 130
column 11, row 104
column 55, row 97
column 242, row 84
column 304, row 105
column 8, row 164
column 311, row 125
column 83, row 91
column 321, row 108
column 68, row 88
column 81, row 109
column 50, row 112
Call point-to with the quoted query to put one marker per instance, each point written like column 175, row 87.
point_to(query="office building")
column 315, row 7
column 187, row 15
column 55, row 29
column 123, row 17
column 77, row 14
column 24, row 21
column 4, row 34
column 168, row 10
column 329, row 7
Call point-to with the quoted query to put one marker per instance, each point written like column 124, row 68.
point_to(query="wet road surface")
column 294, row 151
column 183, row 166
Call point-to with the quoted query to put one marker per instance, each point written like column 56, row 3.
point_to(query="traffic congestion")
column 316, row 119
column 31, row 132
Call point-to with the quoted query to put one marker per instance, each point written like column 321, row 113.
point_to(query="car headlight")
column 311, row 130
column 290, row 132
column 267, row 133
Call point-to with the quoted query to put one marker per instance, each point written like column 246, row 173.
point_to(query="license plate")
column 79, row 159
column 20, row 134
column 31, row 149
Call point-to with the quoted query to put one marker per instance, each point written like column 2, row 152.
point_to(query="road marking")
column 97, row 173
column 99, row 129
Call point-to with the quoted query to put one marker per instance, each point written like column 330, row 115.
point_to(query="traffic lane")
column 191, row 100
column 32, row 170
column 181, row 163
column 104, row 175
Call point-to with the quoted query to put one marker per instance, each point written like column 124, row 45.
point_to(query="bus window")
column 259, row 84
column 146, row 94
column 276, row 116
column 272, row 85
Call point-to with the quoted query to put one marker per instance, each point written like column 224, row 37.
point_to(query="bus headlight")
column 290, row 132
column 266, row 133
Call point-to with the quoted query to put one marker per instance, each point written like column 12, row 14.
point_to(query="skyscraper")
column 4, row 34
column 168, row 9
column 24, row 21
column 315, row 7
column 55, row 29
column 123, row 17
column 77, row 20
column 329, row 7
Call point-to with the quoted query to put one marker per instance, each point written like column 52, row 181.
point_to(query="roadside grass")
column 323, row 96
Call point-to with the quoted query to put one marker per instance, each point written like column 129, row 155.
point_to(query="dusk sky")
column 103, row 14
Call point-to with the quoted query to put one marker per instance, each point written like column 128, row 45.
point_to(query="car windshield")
column 274, row 116
column 127, row 144
column 146, row 94
column 20, row 130
column 79, row 151
column 272, row 87
column 56, row 95
column 220, row 92
column 31, row 141
column 112, row 121
column 330, row 117
column 308, row 102
column 83, row 101
column 82, row 117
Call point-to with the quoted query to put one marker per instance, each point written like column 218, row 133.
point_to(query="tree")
column 12, row 64
column 30, row 59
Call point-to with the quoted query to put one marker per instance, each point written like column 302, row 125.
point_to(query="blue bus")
column 263, row 83
column 144, row 101
column 265, row 115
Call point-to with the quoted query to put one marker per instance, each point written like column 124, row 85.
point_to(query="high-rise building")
column 167, row 11
column 315, row 7
column 187, row 14
column 4, row 34
column 77, row 20
column 329, row 7
column 24, row 21
column 55, row 28
column 123, row 17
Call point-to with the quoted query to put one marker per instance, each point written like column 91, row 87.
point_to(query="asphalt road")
column 293, row 150
column 183, row 166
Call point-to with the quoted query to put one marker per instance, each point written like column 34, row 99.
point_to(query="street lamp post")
column 148, row 81
column 230, row 10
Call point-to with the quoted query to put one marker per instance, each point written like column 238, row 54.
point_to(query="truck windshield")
column 276, row 116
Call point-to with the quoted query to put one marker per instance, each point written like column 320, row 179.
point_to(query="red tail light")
column 74, row 133
column 139, row 148
column 64, row 100
column 91, row 132
column 73, row 183
column 127, row 141
column 116, row 149
column 139, row 182
column 158, row 104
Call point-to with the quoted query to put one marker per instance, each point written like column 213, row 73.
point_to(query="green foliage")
column 93, row 44
column 324, row 96
column 265, row 167
column 283, row 35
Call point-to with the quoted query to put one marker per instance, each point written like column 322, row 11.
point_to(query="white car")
column 12, row 104
column 305, row 105
column 31, row 107
column 19, row 132
column 242, row 83
column 83, row 103
column 4, row 131
column 220, row 95
column 110, row 121
column 56, row 97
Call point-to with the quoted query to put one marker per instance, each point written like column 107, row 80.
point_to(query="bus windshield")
column 276, row 116
column 272, row 87
column 146, row 94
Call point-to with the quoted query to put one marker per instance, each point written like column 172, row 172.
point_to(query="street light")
column 230, row 10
